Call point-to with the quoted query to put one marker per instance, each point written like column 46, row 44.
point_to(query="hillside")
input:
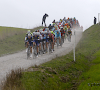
column 64, row 74
column 12, row 39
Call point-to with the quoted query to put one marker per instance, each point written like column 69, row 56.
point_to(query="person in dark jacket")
column 50, row 27
column 94, row 20
column 44, row 18
column 53, row 21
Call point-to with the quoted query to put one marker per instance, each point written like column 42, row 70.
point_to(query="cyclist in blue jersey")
column 29, row 42
column 57, row 35
column 36, row 41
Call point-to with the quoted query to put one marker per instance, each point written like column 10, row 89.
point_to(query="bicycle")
column 50, row 46
column 34, row 52
column 62, row 40
column 57, row 42
column 69, row 37
column 28, row 51
column 44, row 46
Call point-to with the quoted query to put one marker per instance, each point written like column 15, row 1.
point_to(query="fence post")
column 74, row 43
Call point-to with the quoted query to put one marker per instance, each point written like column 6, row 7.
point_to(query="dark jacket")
column 44, row 17
column 94, row 20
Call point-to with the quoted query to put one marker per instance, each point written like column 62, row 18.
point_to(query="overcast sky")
column 29, row 13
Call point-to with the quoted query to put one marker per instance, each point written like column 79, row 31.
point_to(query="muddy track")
column 17, row 60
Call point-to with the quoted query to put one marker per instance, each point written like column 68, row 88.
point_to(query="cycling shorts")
column 50, row 39
column 31, row 43
column 47, row 39
column 69, row 32
column 57, row 35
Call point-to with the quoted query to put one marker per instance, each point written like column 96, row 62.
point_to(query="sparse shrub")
column 12, row 80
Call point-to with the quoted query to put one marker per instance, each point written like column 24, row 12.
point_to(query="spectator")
column 44, row 18
column 94, row 20
column 53, row 21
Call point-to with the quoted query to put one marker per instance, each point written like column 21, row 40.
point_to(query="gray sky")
column 29, row 13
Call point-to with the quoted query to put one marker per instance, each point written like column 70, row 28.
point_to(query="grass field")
column 12, row 39
column 63, row 73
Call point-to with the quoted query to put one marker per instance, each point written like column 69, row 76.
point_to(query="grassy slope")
column 64, row 74
column 12, row 39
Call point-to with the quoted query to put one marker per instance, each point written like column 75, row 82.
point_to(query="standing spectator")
column 53, row 21
column 44, row 18
column 94, row 20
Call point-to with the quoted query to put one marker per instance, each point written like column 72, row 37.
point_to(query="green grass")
column 12, row 39
column 91, row 78
column 63, row 73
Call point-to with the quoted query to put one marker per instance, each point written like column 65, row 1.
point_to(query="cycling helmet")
column 33, row 33
column 28, row 31
column 55, row 26
column 61, row 27
column 35, row 30
column 52, row 32
column 45, row 32
column 57, row 31
column 38, row 30
column 68, row 26
column 29, row 35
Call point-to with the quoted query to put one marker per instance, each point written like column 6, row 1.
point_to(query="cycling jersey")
column 47, row 37
column 36, row 39
column 57, row 35
column 51, row 37
column 69, row 31
column 62, row 32
column 65, row 28
column 30, row 40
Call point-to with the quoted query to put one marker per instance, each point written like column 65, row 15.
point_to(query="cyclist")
column 47, row 38
column 51, row 38
column 58, row 35
column 44, row 41
column 54, row 39
column 62, row 33
column 36, row 41
column 29, row 42
column 28, row 32
column 65, row 28
column 69, row 31
column 41, row 40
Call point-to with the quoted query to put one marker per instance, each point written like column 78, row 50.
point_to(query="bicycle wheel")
column 28, row 52
column 50, row 47
column 61, row 42
column 57, row 42
column 68, row 37
column 41, row 49
column 34, row 52
column 63, row 39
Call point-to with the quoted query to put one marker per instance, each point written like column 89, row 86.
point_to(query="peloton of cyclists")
column 56, row 30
